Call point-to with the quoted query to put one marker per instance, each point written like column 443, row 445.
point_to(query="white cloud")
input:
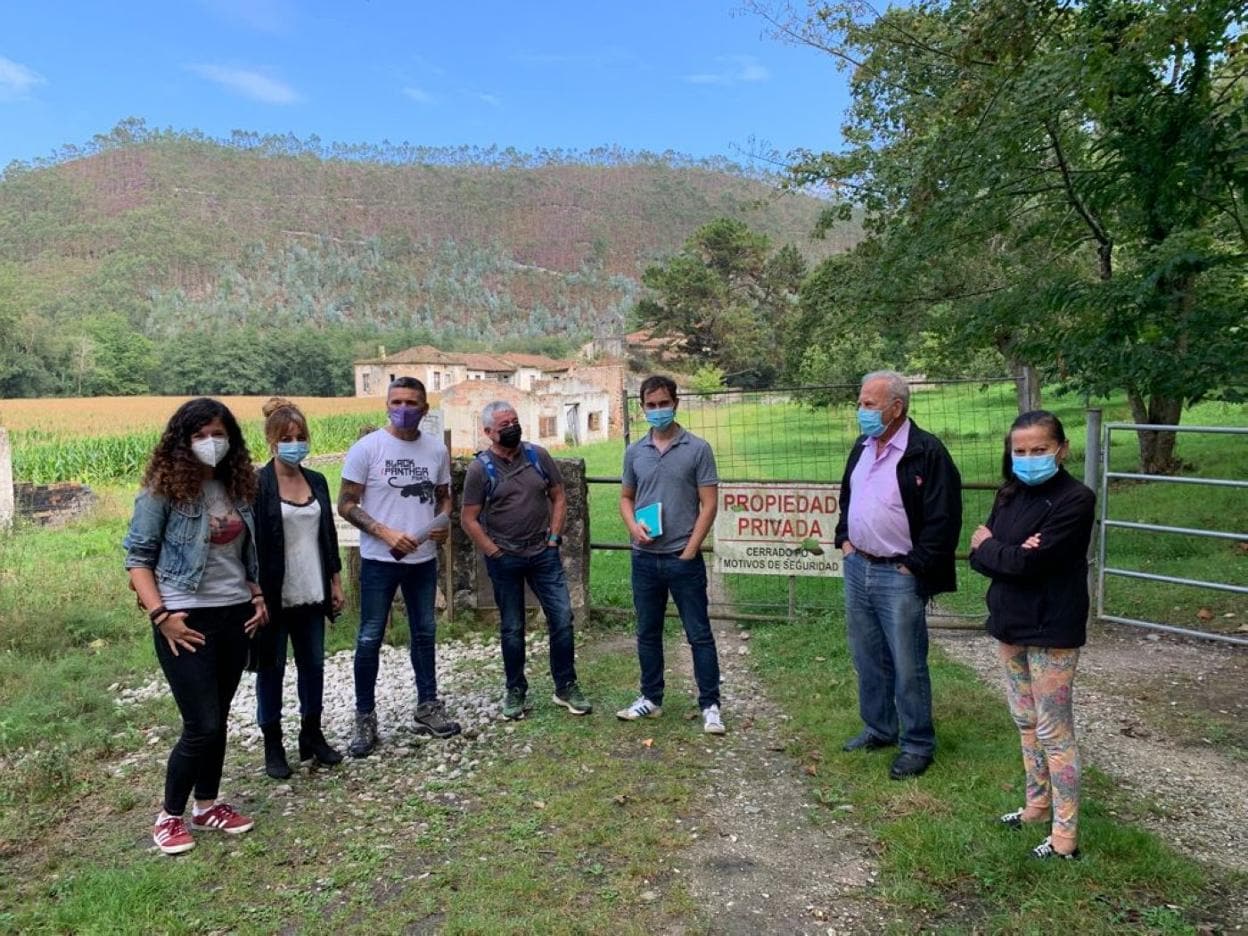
column 419, row 95
column 736, row 69
column 250, row 84
column 16, row 79
column 491, row 99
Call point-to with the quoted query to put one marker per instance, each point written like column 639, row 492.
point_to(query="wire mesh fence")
column 805, row 434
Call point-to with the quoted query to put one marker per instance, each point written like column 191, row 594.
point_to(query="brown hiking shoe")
column 431, row 719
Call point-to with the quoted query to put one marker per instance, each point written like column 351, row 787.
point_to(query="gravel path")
column 769, row 859
column 1126, row 683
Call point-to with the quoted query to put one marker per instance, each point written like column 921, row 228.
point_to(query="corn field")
column 110, row 439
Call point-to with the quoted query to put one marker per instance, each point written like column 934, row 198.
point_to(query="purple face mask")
column 406, row 417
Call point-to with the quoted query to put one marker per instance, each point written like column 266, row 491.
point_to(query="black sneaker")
column 515, row 704
column 365, row 738
column 431, row 719
column 571, row 698
column 1046, row 850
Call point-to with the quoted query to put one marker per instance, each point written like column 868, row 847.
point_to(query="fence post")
column 1091, row 477
column 7, row 510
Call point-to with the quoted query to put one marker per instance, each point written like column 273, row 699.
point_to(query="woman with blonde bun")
column 300, row 577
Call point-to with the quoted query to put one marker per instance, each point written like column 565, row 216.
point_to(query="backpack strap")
column 491, row 469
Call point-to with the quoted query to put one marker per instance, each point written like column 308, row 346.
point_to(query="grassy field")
column 69, row 635
column 106, row 439
column 575, row 836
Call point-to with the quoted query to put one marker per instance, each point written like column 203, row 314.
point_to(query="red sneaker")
column 223, row 817
column 172, row 836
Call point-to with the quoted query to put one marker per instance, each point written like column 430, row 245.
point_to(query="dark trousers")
column 544, row 574
column 305, row 629
column 203, row 685
column 654, row 577
column 378, row 583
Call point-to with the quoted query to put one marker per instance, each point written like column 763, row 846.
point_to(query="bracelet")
column 257, row 598
column 156, row 612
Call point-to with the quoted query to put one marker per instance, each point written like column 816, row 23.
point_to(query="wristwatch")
column 554, row 539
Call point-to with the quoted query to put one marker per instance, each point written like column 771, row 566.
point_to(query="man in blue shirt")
column 675, row 470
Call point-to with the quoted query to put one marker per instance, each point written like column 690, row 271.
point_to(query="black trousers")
column 203, row 684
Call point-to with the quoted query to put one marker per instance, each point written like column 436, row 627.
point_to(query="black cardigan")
column 271, row 538
column 1039, row 597
column 931, row 495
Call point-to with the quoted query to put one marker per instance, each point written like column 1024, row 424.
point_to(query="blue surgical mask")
column 660, row 418
column 1035, row 469
column 292, row 453
column 871, row 422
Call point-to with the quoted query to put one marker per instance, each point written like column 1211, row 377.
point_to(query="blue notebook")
column 652, row 516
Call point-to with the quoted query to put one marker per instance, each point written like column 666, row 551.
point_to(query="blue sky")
column 699, row 77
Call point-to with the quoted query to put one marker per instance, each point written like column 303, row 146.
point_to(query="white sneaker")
column 642, row 708
column 711, row 722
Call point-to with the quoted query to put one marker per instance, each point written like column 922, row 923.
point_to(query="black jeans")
column 304, row 627
column 203, row 685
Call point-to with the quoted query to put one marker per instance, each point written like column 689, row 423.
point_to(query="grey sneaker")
column 431, row 720
column 515, row 704
column 573, row 699
column 365, row 738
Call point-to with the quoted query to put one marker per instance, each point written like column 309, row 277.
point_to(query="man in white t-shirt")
column 396, row 487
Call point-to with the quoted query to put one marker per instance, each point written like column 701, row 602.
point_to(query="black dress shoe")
column 866, row 741
column 908, row 765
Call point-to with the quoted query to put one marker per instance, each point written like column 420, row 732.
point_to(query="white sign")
column 433, row 424
column 778, row 529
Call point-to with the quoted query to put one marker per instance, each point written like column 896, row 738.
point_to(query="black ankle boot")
column 312, row 743
column 274, row 754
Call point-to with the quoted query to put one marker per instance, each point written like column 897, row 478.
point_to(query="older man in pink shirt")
column 901, row 516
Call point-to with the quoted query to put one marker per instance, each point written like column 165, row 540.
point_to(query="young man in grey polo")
column 674, row 469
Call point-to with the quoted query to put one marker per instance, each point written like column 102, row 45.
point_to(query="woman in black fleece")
column 1034, row 547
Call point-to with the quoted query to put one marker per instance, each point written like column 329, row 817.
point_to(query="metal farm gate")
column 1110, row 480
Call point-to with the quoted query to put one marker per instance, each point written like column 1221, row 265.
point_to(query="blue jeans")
column 654, row 576
column 887, row 624
column 544, row 573
column 305, row 627
column 378, row 583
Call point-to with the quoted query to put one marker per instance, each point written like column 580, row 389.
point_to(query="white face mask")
column 210, row 451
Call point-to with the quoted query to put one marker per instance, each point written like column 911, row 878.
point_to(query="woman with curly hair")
column 1034, row 548
column 300, row 576
column 191, row 555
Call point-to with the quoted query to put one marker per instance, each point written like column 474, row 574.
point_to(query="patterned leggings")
column 1038, row 684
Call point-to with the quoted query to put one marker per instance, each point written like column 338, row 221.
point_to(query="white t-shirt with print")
column 399, row 479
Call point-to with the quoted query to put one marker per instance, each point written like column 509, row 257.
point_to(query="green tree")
column 726, row 300
column 1064, row 184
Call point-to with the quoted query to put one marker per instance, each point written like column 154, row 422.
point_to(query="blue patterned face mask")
column 1035, row 469
column 292, row 453
column 871, row 422
column 660, row 418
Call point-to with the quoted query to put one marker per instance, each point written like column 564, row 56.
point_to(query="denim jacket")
column 172, row 540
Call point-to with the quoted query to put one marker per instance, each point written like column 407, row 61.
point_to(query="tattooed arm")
column 350, row 510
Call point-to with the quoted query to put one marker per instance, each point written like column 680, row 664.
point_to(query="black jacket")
column 931, row 494
column 271, row 545
column 1039, row 597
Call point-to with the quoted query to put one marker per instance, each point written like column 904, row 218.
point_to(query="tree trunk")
column 1156, row 448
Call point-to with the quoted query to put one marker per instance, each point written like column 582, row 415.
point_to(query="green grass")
column 939, row 843
column 562, row 839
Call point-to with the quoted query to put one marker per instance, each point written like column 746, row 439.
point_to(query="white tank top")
column 303, row 583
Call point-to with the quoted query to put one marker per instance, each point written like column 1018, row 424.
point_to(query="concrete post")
column 6, row 482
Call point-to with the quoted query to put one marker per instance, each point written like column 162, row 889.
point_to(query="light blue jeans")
column 887, row 625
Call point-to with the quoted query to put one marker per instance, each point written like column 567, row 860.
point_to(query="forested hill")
column 145, row 236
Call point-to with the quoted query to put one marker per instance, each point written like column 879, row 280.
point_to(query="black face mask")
column 510, row 436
